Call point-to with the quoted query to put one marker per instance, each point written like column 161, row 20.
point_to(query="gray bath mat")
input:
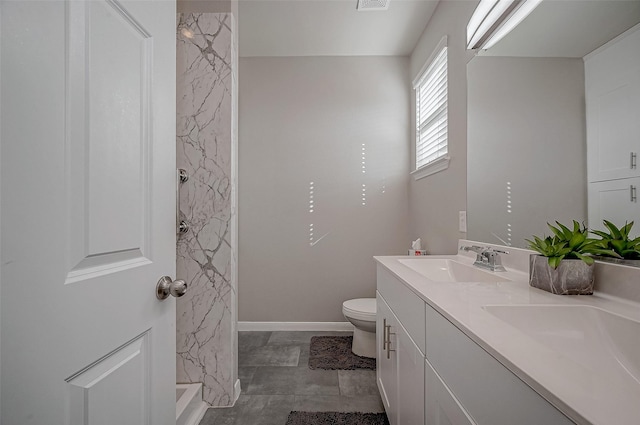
column 334, row 352
column 336, row 418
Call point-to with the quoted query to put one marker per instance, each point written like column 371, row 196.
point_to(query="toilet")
column 361, row 312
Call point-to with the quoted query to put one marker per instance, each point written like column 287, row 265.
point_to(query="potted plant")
column 565, row 264
column 618, row 241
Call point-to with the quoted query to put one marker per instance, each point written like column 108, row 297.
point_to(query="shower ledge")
column 189, row 405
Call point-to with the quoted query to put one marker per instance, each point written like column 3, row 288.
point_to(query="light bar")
column 493, row 19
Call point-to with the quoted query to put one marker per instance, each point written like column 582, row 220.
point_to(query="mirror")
column 526, row 123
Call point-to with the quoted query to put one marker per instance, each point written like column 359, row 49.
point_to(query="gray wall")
column 526, row 128
column 436, row 199
column 304, row 120
column 207, row 6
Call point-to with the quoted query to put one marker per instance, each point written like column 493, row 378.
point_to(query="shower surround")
column 206, row 149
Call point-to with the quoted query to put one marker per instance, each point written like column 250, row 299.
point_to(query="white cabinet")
column 400, row 373
column 410, row 379
column 441, row 406
column 386, row 361
column 615, row 200
column 486, row 391
column 400, row 362
column 612, row 92
column 613, row 126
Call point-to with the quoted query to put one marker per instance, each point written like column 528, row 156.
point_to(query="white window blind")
column 431, row 110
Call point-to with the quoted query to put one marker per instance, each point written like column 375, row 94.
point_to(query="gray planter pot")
column 572, row 277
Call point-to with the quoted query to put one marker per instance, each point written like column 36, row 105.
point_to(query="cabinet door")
column 612, row 81
column 387, row 373
column 441, row 406
column 616, row 201
column 410, row 379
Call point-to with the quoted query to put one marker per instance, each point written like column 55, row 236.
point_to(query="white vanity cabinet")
column 430, row 372
column 400, row 362
column 471, row 387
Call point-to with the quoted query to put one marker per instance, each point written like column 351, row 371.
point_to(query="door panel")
column 121, row 379
column 410, row 379
column 616, row 201
column 386, row 361
column 108, row 137
column 87, row 211
column 441, row 406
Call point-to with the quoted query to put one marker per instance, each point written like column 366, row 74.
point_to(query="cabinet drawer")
column 406, row 305
column 489, row 392
column 441, row 407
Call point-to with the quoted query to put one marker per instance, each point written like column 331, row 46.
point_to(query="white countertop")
column 586, row 396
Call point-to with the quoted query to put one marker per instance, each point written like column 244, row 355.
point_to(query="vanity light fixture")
column 493, row 19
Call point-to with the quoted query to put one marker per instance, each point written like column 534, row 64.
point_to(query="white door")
column 87, row 212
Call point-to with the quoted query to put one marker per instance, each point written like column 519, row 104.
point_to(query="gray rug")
column 336, row 418
column 334, row 352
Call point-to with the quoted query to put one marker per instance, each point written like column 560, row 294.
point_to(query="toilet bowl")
column 361, row 312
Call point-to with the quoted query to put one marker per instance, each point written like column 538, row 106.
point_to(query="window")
column 431, row 114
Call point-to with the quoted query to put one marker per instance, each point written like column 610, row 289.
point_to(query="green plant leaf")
column 585, row 258
column 618, row 245
column 570, row 243
column 576, row 240
column 576, row 226
column 612, row 229
column 626, row 229
column 565, row 230
column 554, row 262
column 603, row 235
column 556, row 231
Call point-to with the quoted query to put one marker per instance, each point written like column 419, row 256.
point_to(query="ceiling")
column 330, row 28
column 568, row 28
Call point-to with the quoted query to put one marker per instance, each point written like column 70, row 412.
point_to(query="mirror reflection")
column 532, row 108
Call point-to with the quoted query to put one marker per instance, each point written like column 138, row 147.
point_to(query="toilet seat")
column 360, row 308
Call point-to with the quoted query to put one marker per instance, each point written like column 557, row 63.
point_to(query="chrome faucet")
column 487, row 257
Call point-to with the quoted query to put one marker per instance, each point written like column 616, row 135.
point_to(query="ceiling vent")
column 372, row 5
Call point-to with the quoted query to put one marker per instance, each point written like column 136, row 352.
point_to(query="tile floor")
column 274, row 373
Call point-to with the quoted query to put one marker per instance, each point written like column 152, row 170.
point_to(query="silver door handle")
column 632, row 192
column 166, row 286
column 384, row 334
column 633, row 157
column 182, row 176
column 389, row 333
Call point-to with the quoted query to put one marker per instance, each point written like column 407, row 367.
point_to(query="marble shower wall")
column 206, row 148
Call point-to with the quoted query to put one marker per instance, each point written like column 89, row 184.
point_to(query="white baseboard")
column 296, row 326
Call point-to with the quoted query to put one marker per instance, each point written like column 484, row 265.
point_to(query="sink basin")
column 592, row 337
column 448, row 270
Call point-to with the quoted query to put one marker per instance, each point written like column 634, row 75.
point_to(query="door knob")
column 166, row 287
